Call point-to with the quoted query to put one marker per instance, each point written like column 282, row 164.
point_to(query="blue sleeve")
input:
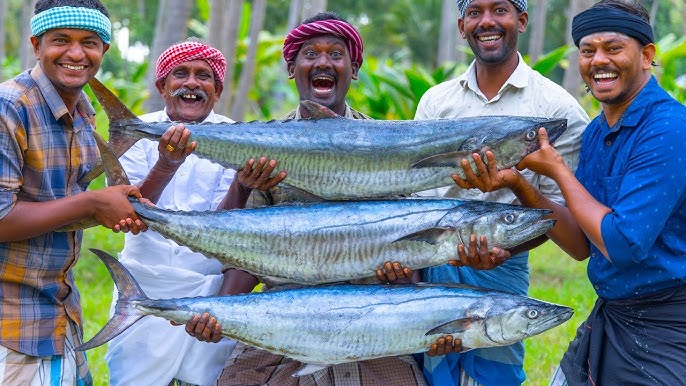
column 650, row 191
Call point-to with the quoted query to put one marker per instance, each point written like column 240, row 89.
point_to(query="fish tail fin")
column 317, row 111
column 124, row 314
column 119, row 115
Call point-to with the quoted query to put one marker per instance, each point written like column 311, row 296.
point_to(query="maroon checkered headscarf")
column 303, row 32
column 187, row 51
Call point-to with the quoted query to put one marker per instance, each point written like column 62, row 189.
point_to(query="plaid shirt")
column 43, row 153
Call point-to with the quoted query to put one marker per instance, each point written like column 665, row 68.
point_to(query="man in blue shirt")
column 626, row 207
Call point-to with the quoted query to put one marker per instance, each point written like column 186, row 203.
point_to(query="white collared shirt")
column 525, row 93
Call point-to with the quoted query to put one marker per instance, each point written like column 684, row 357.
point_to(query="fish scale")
column 340, row 158
column 331, row 324
column 339, row 241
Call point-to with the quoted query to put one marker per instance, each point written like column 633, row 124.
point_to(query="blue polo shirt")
column 638, row 169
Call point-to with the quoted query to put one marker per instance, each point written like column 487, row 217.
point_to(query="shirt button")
column 596, row 287
column 593, row 254
column 176, row 251
column 608, row 142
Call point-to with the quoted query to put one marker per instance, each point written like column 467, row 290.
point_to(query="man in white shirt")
column 190, row 78
column 498, row 82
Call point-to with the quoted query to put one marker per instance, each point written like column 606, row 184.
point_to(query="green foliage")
column 671, row 60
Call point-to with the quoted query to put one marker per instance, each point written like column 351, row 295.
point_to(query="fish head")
column 520, row 138
column 511, row 318
column 504, row 225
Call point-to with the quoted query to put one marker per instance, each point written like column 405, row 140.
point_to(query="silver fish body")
column 339, row 158
column 337, row 241
column 331, row 324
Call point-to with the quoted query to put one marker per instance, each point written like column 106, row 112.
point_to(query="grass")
column 555, row 277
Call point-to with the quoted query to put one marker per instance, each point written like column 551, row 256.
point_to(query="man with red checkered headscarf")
column 190, row 78
column 323, row 55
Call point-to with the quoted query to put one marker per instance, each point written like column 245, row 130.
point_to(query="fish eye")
column 532, row 314
column 531, row 134
column 509, row 218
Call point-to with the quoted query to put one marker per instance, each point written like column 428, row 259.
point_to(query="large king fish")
column 341, row 158
column 327, row 325
column 344, row 240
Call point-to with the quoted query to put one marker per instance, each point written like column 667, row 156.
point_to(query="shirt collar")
column 53, row 99
column 518, row 79
column 348, row 113
column 210, row 117
column 634, row 113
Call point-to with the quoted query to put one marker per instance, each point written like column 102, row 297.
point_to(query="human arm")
column 153, row 184
column 109, row 207
column 251, row 176
column 395, row 273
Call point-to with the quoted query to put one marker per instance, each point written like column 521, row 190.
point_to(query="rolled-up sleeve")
column 648, row 195
column 11, row 159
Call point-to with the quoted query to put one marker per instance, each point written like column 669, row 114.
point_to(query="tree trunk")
column 447, row 37
column 572, row 79
column 3, row 16
column 312, row 7
column 294, row 13
column 259, row 8
column 537, row 28
column 653, row 11
column 26, row 56
column 223, row 35
column 171, row 27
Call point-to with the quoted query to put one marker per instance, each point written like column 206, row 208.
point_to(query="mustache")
column 482, row 30
column 187, row 91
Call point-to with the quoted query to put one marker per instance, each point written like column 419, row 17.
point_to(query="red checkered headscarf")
column 300, row 34
column 187, row 51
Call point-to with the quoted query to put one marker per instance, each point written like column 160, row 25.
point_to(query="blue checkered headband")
column 72, row 17
column 462, row 5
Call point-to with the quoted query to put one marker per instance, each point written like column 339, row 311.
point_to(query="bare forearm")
column 237, row 282
column 585, row 209
column 566, row 233
column 30, row 219
column 237, row 196
column 157, row 179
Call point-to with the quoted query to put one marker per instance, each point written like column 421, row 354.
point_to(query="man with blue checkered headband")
column 497, row 82
column 47, row 144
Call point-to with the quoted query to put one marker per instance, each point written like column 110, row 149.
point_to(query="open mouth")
column 73, row 67
column 604, row 78
column 490, row 38
column 191, row 98
column 323, row 85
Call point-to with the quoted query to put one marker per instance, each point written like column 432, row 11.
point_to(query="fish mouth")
column 556, row 315
column 555, row 128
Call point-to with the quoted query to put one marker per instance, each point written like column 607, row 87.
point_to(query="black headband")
column 598, row 19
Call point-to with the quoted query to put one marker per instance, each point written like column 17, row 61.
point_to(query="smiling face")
column 323, row 71
column 491, row 28
column 614, row 66
column 190, row 91
column 69, row 57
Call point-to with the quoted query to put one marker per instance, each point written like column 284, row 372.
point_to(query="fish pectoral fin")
column 453, row 327
column 451, row 159
column 431, row 236
column 308, row 369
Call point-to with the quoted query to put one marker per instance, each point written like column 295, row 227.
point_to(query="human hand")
column 394, row 273
column 204, row 328
column 478, row 256
column 173, row 145
column 546, row 160
column 113, row 209
column 257, row 175
column 445, row 345
column 488, row 178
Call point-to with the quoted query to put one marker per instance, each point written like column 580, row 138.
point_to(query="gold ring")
column 170, row 148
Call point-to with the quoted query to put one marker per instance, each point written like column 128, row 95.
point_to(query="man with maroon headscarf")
column 190, row 78
column 323, row 54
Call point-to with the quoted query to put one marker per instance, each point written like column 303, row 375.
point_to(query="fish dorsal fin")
column 432, row 236
column 317, row 111
column 114, row 108
column 456, row 326
column 114, row 172
column 308, row 369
